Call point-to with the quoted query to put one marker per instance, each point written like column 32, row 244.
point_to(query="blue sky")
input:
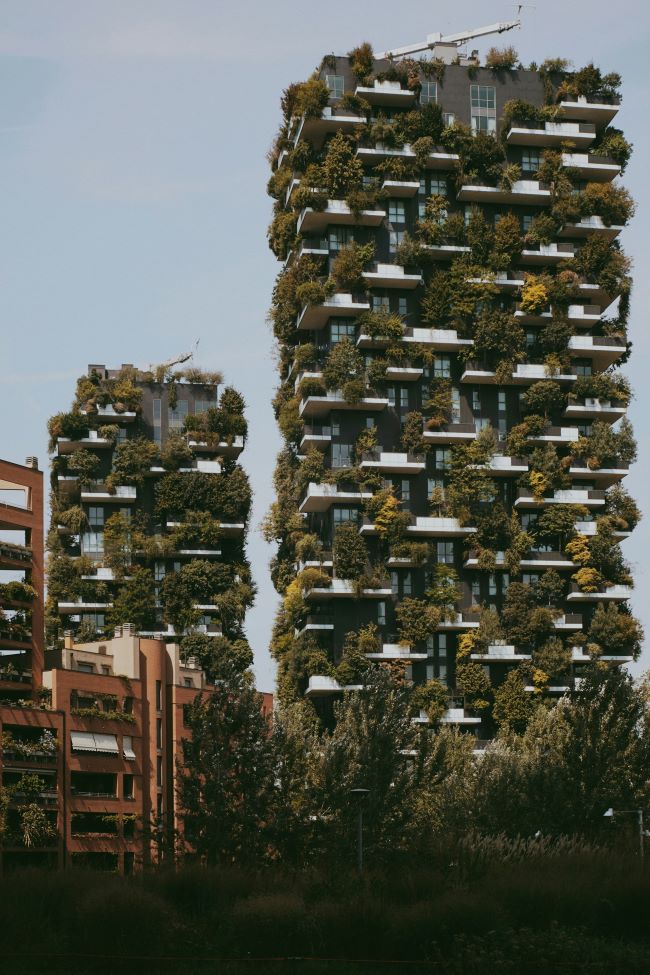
column 133, row 136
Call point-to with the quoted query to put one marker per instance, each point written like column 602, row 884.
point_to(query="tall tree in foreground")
column 227, row 775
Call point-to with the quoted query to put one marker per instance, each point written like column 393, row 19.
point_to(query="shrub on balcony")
column 73, row 426
column 381, row 325
column 281, row 233
column 613, row 203
column 589, row 82
column 348, row 266
column 475, row 684
column 542, row 230
column 199, row 530
column 362, row 62
column 311, row 97
column 416, row 552
column 350, row 553
column 135, row 601
column 544, row 398
column 132, row 461
column 175, row 453
column 526, row 623
column 84, row 464
column 74, row 519
column 500, row 341
column 501, row 59
column 622, row 508
column 614, row 144
column 314, row 292
column 431, row 697
column 605, row 386
column 438, row 406
column 507, row 242
column 344, row 365
column 605, row 447
column 534, row 295
column 416, row 620
column 424, row 122
column 615, row 631
column 343, row 170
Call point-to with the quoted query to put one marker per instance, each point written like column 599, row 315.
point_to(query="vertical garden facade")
column 451, row 315
column 150, row 510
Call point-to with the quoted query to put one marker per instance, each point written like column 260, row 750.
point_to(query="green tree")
column 226, row 790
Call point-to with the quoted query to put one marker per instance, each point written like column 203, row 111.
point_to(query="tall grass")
column 493, row 908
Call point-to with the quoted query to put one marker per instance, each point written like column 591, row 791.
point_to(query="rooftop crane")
column 434, row 41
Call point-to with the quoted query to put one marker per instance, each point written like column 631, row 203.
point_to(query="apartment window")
column 159, row 732
column 582, row 367
column 531, row 340
column 158, row 695
column 127, row 786
column 340, row 237
column 394, row 583
column 442, row 366
column 127, row 747
column 85, row 668
column 483, row 101
column 159, row 770
column 127, row 705
column 380, row 303
column 402, row 306
column 159, row 806
column 157, row 421
column 448, row 118
column 342, row 329
column 501, row 401
column 442, row 458
column 381, row 613
column 187, row 681
column 395, row 238
column 396, row 212
column 96, row 620
column 343, row 516
column 505, row 582
column 530, row 578
column 492, row 584
column 526, row 221
column 455, row 404
column 482, row 423
column 158, row 571
column 438, row 186
column 390, row 392
column 406, row 490
column 476, row 401
column 92, row 543
column 370, row 423
column 445, row 552
column 428, row 92
column 177, row 414
column 434, row 484
column 335, row 425
column 342, row 454
column 585, row 429
column 404, row 399
column 336, row 84
column 476, row 589
column 95, row 517
column 531, row 160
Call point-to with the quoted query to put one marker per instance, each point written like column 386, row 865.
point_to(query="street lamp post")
column 610, row 813
column 360, row 795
